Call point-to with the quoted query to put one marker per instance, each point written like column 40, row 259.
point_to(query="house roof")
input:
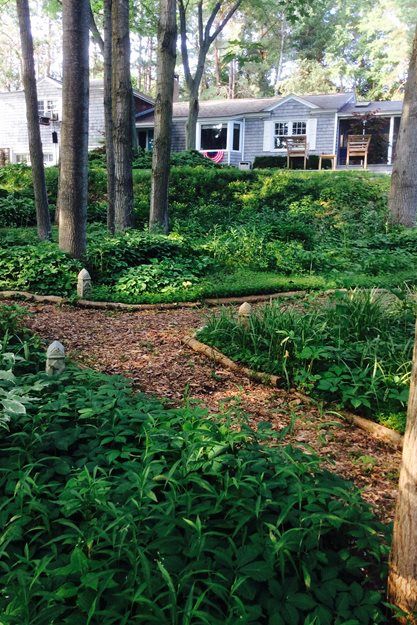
column 383, row 106
column 229, row 108
column 344, row 104
column 248, row 106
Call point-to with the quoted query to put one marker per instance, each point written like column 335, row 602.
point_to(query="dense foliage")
column 233, row 232
column 353, row 348
column 116, row 509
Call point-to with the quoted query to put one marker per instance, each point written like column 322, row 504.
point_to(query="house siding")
column 178, row 136
column 13, row 126
column 255, row 130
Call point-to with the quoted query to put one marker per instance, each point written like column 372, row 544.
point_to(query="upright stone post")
column 244, row 312
column 84, row 284
column 55, row 358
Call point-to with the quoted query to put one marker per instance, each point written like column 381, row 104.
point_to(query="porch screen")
column 214, row 137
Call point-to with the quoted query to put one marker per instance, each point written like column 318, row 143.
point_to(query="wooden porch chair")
column 358, row 145
column 296, row 148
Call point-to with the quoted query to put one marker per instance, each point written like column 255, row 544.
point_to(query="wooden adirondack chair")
column 296, row 148
column 358, row 145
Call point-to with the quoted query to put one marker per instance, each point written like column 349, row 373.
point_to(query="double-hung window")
column 288, row 129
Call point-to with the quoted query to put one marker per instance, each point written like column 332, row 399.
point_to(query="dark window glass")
column 150, row 139
column 142, row 139
column 214, row 137
column 236, row 137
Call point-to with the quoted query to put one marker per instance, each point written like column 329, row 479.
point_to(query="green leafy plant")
column 355, row 348
column 116, row 509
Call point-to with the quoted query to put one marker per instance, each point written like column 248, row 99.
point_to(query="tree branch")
column 210, row 21
column 95, row 32
column 184, row 50
column 224, row 21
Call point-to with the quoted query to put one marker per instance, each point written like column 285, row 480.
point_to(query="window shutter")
column 268, row 135
column 312, row 133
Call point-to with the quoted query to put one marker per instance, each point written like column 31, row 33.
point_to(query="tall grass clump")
column 353, row 348
column 117, row 510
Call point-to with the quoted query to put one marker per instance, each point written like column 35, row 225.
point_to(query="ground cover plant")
column 233, row 233
column 351, row 348
column 117, row 509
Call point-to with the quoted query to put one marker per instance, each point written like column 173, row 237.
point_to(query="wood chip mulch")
column 147, row 347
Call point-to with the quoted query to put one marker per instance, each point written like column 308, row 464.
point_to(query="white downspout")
column 242, row 158
column 390, row 140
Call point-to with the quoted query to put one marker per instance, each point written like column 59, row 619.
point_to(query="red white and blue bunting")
column 214, row 155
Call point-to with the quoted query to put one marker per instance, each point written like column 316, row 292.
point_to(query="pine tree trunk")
column 122, row 116
column 108, row 114
column 73, row 184
column 402, row 580
column 167, row 38
column 403, row 193
column 43, row 220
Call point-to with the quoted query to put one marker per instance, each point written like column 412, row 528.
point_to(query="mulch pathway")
column 146, row 347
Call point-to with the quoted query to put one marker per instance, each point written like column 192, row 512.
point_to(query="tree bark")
column 167, row 39
column 403, row 193
column 191, row 123
column 402, row 579
column 205, row 39
column 43, row 220
column 73, row 184
column 108, row 113
column 122, row 116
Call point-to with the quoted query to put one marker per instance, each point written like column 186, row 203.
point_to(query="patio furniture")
column 296, row 148
column 357, row 146
column 327, row 157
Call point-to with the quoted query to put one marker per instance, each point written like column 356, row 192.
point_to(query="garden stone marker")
column 244, row 312
column 84, row 283
column 55, row 358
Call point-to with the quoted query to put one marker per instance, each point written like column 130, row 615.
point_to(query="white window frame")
column 291, row 123
column 229, row 124
column 47, row 109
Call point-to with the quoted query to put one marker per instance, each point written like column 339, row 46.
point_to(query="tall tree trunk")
column 191, row 124
column 108, row 113
column 402, row 580
column 403, row 193
column 35, row 145
column 122, row 116
column 217, row 67
column 73, row 184
column 167, row 39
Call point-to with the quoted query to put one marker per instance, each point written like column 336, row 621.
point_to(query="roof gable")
column 288, row 98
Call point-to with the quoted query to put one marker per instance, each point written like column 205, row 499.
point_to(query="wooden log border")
column 83, row 303
column 376, row 430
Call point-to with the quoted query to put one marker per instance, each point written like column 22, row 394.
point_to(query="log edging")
column 83, row 303
column 380, row 432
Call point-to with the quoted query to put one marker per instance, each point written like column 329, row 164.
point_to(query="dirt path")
column 146, row 346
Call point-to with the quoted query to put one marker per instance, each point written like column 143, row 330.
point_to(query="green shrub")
column 253, row 248
column 160, row 276
column 108, row 255
column 355, row 349
column 118, row 510
column 41, row 268
column 280, row 162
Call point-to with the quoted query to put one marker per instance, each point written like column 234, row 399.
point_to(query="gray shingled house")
column 240, row 130
column 14, row 145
